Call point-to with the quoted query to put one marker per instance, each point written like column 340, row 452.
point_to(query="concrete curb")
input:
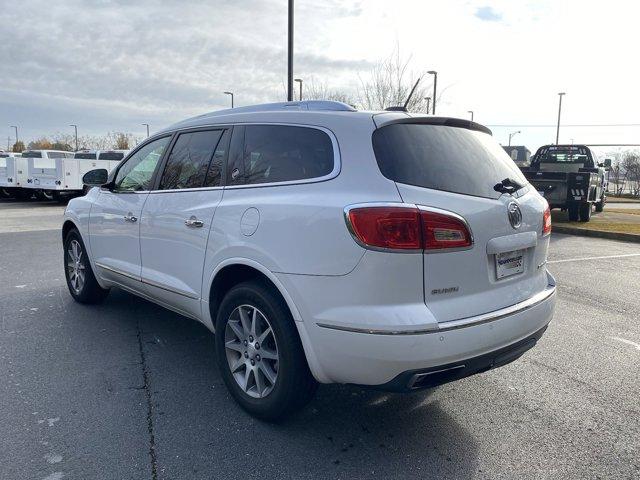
column 625, row 237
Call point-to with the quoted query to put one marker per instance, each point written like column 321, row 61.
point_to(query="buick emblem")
column 515, row 215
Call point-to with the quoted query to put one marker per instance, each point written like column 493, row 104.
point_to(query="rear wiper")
column 507, row 186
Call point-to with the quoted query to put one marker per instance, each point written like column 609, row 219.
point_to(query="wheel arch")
column 236, row 270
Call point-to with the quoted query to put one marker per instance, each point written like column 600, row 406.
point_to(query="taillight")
column 546, row 221
column 387, row 227
column 407, row 228
column 443, row 230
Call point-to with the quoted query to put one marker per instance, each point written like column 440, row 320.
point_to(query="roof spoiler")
column 443, row 121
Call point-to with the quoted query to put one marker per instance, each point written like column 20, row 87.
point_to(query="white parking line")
column 582, row 259
column 628, row 342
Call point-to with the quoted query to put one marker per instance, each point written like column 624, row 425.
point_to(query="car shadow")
column 345, row 432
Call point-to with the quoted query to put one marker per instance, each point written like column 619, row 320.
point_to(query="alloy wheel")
column 251, row 351
column 75, row 266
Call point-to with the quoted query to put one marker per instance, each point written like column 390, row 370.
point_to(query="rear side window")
column 280, row 153
column 452, row 159
column 32, row 154
column 111, row 155
column 85, row 156
column 189, row 160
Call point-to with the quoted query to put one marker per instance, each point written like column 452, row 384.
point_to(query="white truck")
column 58, row 174
column 13, row 176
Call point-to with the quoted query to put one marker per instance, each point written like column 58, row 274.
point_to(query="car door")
column 177, row 217
column 114, row 229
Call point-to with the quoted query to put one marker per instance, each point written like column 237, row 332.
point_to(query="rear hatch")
column 457, row 169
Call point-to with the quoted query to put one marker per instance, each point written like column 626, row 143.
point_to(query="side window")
column 56, row 155
column 214, row 174
column 279, row 153
column 136, row 173
column 189, row 160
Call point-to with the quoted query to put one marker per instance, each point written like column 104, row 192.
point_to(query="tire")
column 22, row 194
column 574, row 213
column 585, row 212
column 44, row 195
column 267, row 397
column 4, row 193
column 600, row 204
column 81, row 281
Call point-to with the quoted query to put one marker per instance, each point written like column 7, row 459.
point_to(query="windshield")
column 445, row 158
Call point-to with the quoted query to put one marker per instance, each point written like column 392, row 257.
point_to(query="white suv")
column 324, row 244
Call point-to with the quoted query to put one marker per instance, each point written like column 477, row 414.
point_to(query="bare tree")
column 389, row 85
column 18, row 147
column 316, row 90
column 631, row 166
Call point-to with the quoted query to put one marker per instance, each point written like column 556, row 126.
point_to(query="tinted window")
column 111, row 155
column 85, row 156
column 189, row 160
column 277, row 153
column 32, row 154
column 214, row 174
column 56, row 155
column 444, row 158
column 136, row 173
column 4, row 155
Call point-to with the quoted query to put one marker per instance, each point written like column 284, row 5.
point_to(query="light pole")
column 435, row 88
column 299, row 80
column 428, row 99
column 471, row 112
column 513, row 134
column 560, row 95
column 76, row 129
column 230, row 93
column 290, row 54
column 13, row 126
column 146, row 125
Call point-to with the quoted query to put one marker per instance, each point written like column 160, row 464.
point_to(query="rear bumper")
column 406, row 360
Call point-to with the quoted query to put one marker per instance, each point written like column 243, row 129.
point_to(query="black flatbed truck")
column 570, row 178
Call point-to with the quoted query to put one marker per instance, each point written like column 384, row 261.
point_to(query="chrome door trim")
column 170, row 289
column 117, row 271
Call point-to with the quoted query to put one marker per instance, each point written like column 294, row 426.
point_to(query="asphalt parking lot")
column 128, row 390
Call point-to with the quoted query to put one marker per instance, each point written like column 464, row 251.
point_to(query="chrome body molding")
column 460, row 323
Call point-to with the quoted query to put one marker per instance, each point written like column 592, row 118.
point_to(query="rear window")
column 56, row 155
column 444, row 158
column 111, row 156
column 32, row 154
column 85, row 156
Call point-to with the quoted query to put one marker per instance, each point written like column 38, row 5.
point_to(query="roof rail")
column 312, row 105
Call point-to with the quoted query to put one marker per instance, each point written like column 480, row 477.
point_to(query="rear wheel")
column 574, row 213
column 81, row 281
column 22, row 194
column 259, row 353
column 44, row 195
column 4, row 193
column 585, row 212
column 600, row 204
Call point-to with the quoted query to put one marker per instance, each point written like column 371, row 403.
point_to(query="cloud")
column 488, row 14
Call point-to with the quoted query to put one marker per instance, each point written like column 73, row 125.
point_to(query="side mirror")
column 96, row 177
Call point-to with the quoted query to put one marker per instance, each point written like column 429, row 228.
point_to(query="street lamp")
column 513, row 134
column 76, row 129
column 230, row 93
column 146, row 125
column 428, row 99
column 435, row 87
column 13, row 126
column 560, row 95
column 471, row 112
column 299, row 80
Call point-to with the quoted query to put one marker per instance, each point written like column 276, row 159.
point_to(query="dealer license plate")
column 509, row 263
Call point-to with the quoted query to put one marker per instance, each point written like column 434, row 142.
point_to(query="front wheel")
column 600, row 204
column 81, row 281
column 259, row 352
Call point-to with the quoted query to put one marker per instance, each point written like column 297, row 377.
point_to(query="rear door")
column 114, row 227
column 177, row 218
column 455, row 169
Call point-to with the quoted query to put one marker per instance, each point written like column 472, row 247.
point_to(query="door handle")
column 130, row 218
column 193, row 222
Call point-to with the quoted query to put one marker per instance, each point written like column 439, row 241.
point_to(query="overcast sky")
column 112, row 65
